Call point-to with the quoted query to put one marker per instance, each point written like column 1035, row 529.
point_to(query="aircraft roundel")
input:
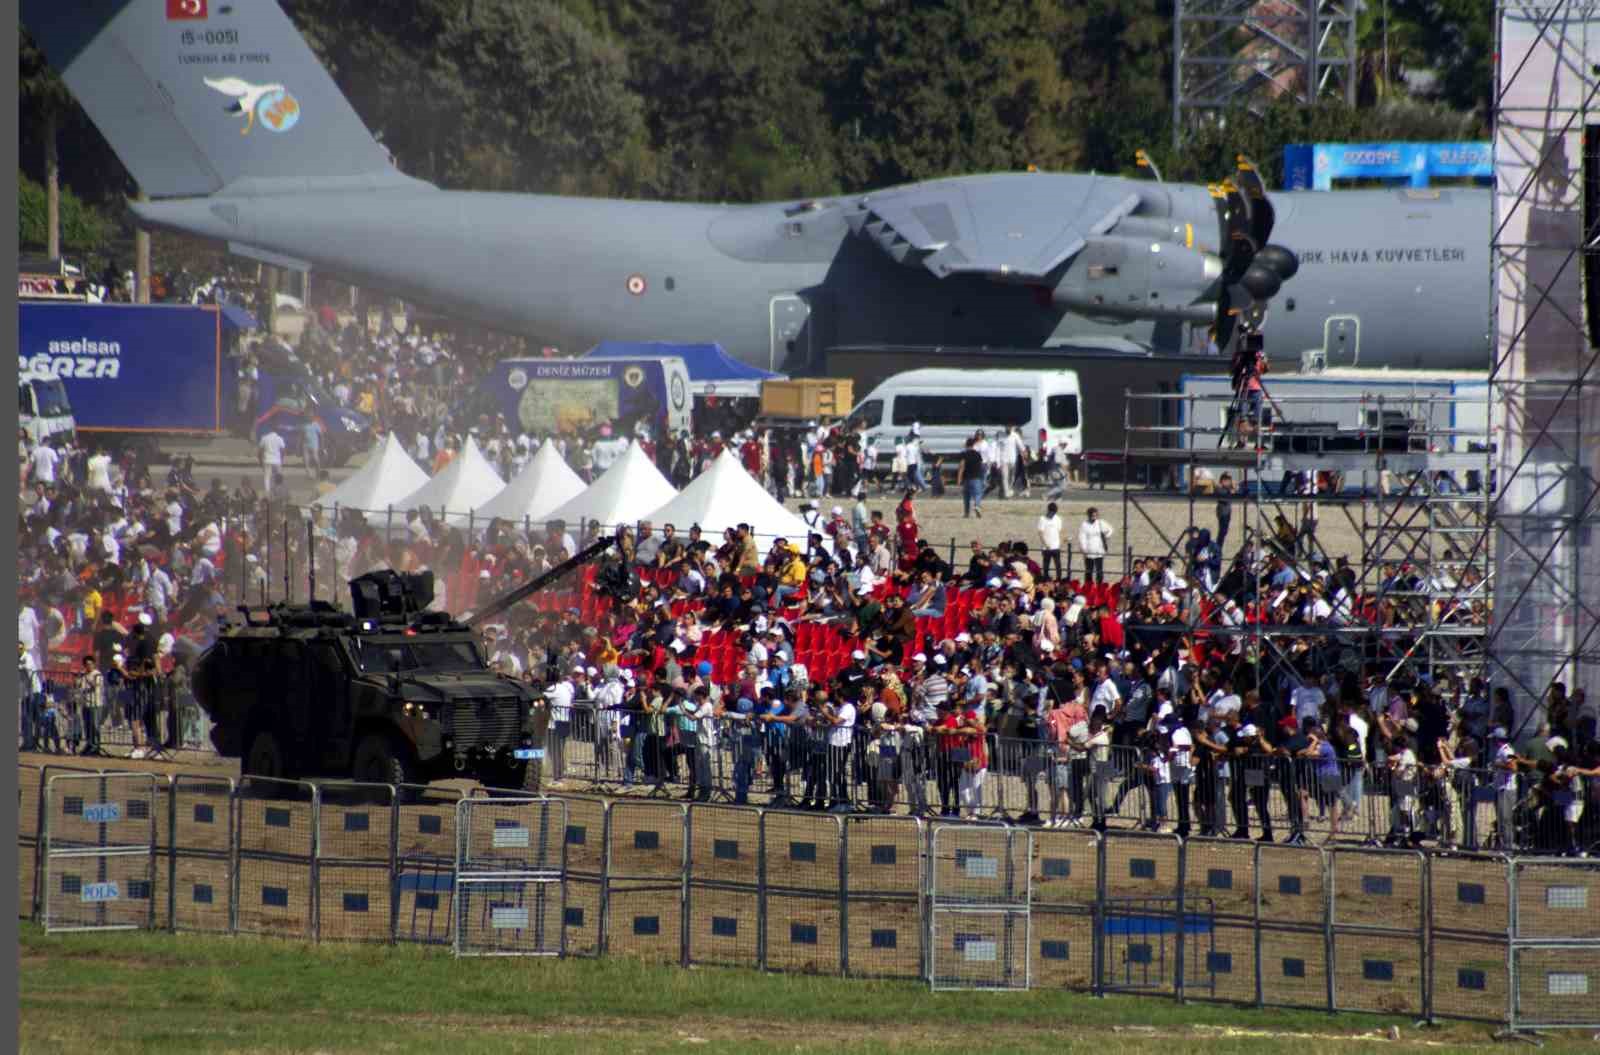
column 636, row 285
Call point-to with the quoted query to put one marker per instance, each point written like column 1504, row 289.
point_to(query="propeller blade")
column 1262, row 215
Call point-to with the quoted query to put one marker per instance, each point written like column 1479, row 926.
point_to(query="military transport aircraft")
column 227, row 121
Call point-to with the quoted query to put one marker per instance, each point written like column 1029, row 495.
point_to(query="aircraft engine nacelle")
column 1123, row 277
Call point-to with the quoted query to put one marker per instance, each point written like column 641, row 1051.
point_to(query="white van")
column 948, row 406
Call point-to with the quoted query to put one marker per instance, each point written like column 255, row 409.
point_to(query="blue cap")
column 703, row 667
column 745, row 705
column 1077, row 664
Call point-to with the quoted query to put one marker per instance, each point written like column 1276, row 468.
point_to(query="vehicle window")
column 381, row 658
column 964, row 411
column 447, row 655
column 1063, row 411
column 869, row 414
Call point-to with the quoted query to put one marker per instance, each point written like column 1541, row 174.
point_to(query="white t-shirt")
column 1105, row 695
column 1505, row 778
column 1222, row 706
column 1307, row 701
column 272, row 449
column 844, row 723
column 1182, row 748
column 98, row 469
column 45, row 459
column 560, row 696
column 1050, row 532
column 1360, row 727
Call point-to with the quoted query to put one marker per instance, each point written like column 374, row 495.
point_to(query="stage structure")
column 1546, row 319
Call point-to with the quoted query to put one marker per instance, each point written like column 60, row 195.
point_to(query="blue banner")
column 1315, row 166
column 129, row 367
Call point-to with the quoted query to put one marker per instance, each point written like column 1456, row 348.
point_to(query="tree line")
column 745, row 100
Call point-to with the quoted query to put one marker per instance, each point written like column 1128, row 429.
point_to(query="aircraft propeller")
column 1253, row 269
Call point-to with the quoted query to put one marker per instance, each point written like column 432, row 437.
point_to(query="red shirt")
column 1111, row 631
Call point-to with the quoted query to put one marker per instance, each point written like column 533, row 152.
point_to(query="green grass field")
column 139, row 992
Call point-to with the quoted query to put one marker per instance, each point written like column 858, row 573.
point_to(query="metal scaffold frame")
column 1227, row 51
column 1546, row 105
column 1417, row 495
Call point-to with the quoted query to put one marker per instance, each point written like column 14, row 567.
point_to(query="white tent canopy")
column 543, row 484
column 726, row 496
column 385, row 479
column 460, row 488
column 627, row 492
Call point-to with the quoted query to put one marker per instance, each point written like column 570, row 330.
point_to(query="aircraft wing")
column 1014, row 226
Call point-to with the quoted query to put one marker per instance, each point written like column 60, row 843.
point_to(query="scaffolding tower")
column 1546, row 325
column 1228, row 52
column 1410, row 485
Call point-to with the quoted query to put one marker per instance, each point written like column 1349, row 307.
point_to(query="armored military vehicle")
column 391, row 694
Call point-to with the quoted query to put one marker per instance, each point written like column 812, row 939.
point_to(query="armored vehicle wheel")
column 382, row 759
column 263, row 756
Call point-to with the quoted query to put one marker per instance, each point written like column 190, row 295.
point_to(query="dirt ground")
column 1150, row 523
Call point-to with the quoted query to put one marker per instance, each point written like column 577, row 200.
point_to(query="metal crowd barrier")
column 1437, row 935
column 156, row 712
column 744, row 761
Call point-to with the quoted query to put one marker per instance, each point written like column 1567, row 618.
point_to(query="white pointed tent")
column 543, row 484
column 386, row 478
column 627, row 492
column 726, row 496
column 460, row 488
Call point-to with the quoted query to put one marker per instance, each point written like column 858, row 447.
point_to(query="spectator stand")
column 1403, row 476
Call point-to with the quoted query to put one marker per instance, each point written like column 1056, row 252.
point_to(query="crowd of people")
column 137, row 572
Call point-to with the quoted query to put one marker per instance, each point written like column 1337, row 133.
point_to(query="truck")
column 43, row 410
column 387, row 693
column 544, row 396
column 391, row 694
column 147, row 371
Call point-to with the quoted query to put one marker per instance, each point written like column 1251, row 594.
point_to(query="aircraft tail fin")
column 200, row 95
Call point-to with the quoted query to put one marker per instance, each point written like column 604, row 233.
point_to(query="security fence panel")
column 1382, row 973
column 1294, row 967
column 508, row 916
column 979, row 948
column 1225, row 872
column 1556, row 899
column 980, row 865
column 423, row 898
column 644, row 919
column 1378, row 889
column 1142, row 925
column 643, row 893
column 1144, row 865
column 1066, row 869
column 99, row 840
column 586, row 836
column 30, row 801
column 510, row 877
column 162, row 891
column 884, row 886
column 803, row 933
column 1379, row 907
column 356, row 854
column 275, row 881
column 803, row 851
column 1470, row 894
column 1062, row 948
column 1470, row 977
column 524, row 836
column 1556, row 985
column 725, row 869
column 584, row 916
column 1293, row 927
column 201, row 861
column 645, row 840
column 725, row 846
